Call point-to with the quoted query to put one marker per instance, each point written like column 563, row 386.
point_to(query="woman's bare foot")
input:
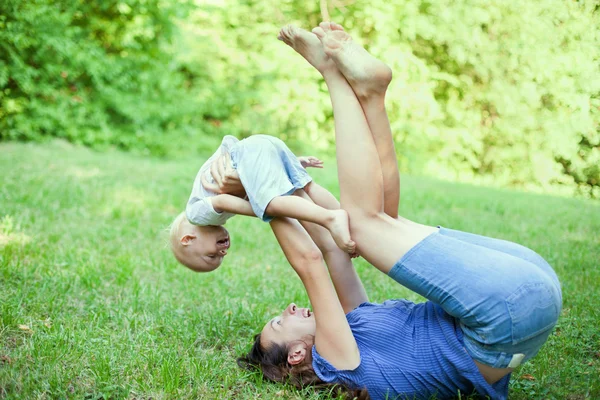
column 308, row 46
column 339, row 227
column 366, row 74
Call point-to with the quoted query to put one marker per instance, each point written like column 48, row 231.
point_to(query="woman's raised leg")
column 370, row 93
column 382, row 240
column 468, row 281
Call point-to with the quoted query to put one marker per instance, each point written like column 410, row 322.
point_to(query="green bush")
column 485, row 91
column 96, row 73
column 502, row 92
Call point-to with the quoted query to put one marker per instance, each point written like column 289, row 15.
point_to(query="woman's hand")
column 310, row 161
column 226, row 178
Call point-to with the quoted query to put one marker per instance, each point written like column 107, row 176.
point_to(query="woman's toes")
column 319, row 32
column 325, row 25
column 336, row 27
column 284, row 34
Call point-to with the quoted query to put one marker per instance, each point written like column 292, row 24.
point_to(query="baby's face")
column 210, row 247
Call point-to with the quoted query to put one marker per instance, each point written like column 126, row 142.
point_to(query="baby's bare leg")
column 321, row 196
column 335, row 221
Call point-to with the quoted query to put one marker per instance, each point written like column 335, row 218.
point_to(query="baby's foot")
column 366, row 74
column 340, row 230
column 308, row 46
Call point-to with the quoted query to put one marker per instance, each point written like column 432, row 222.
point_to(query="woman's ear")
column 296, row 353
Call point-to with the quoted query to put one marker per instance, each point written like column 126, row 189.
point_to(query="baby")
column 270, row 174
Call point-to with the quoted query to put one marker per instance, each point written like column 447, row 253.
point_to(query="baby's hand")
column 310, row 161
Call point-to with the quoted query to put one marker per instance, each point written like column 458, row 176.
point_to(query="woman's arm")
column 226, row 178
column 346, row 281
column 333, row 339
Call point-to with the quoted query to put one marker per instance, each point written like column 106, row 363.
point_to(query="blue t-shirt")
column 408, row 351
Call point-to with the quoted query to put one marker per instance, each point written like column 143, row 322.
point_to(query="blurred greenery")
column 487, row 91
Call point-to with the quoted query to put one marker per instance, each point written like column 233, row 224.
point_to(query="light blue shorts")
column 267, row 169
column 505, row 296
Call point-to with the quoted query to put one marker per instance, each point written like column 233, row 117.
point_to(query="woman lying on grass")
column 492, row 303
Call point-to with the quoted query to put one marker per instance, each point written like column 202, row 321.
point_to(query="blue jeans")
column 505, row 297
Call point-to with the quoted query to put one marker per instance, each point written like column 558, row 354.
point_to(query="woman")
column 492, row 303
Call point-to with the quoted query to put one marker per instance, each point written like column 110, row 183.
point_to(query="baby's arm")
column 232, row 204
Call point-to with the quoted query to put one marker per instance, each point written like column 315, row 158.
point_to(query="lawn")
column 93, row 305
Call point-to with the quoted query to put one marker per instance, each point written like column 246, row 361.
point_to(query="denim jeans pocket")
column 533, row 309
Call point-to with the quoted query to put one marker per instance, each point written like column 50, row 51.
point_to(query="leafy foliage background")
column 499, row 92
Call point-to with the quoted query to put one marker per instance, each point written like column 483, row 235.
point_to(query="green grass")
column 92, row 304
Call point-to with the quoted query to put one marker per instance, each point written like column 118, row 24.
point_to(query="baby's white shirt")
column 199, row 209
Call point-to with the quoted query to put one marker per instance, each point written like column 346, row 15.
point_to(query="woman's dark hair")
column 273, row 364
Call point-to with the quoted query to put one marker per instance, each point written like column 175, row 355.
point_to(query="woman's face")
column 292, row 324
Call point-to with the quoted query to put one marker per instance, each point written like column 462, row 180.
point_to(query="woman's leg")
column 382, row 240
column 371, row 96
column 473, row 283
column 505, row 246
column 377, row 119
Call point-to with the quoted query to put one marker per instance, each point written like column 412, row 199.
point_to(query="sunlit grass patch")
column 125, row 200
column 84, row 173
column 9, row 233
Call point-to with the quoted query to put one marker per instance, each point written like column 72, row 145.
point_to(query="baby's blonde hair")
column 175, row 238
column 186, row 254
